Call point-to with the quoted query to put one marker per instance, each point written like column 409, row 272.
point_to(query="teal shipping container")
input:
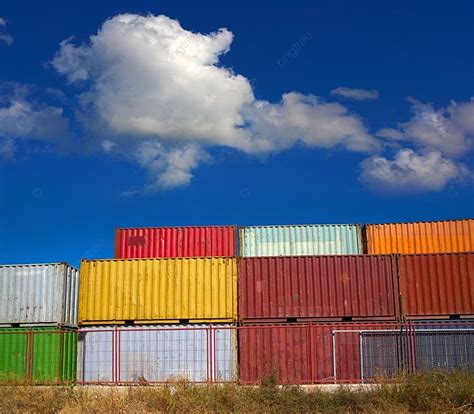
column 301, row 240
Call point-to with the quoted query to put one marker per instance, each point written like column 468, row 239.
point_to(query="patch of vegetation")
column 433, row 392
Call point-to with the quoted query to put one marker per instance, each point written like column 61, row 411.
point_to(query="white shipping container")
column 300, row 240
column 38, row 294
column 140, row 354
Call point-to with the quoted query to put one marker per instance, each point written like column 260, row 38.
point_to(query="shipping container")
column 304, row 353
column 436, row 285
column 145, row 291
column 156, row 242
column 422, row 237
column 349, row 352
column 198, row 353
column 302, row 240
column 285, row 288
column 37, row 355
column 38, row 294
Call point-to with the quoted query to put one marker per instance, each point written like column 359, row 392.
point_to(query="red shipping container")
column 155, row 242
column 324, row 287
column 305, row 353
column 437, row 285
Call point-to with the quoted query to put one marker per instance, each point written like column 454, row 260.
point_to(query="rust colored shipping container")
column 437, row 285
column 156, row 242
column 422, row 237
column 325, row 287
column 308, row 354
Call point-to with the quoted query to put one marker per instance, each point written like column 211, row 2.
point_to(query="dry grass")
column 435, row 392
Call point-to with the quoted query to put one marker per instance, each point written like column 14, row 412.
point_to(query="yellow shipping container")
column 423, row 237
column 158, row 291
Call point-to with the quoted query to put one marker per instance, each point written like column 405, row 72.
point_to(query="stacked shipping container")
column 38, row 294
column 435, row 265
column 305, row 353
column 391, row 283
column 317, row 287
column 155, row 242
column 456, row 236
column 312, row 305
column 436, row 285
column 41, row 355
column 351, row 352
column 144, row 291
column 296, row 274
column 38, row 322
column 304, row 240
column 155, row 354
column 161, row 276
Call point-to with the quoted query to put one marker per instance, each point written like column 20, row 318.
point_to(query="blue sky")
column 326, row 112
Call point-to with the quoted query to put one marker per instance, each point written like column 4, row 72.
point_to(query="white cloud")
column 440, row 136
column 448, row 130
column 411, row 172
column 147, row 84
column 7, row 149
column 5, row 37
column 390, row 133
column 170, row 167
column 21, row 118
column 150, row 77
column 462, row 116
column 156, row 93
column 355, row 93
column 69, row 62
column 308, row 118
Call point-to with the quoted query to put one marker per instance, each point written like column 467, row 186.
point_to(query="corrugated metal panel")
column 38, row 355
column 158, row 290
column 155, row 242
column 151, row 354
column 35, row 294
column 437, row 284
column 318, row 287
column 302, row 354
column 304, row 240
column 423, row 237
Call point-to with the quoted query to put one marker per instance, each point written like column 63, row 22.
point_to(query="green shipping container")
column 38, row 355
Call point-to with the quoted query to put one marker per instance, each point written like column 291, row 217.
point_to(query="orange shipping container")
column 454, row 236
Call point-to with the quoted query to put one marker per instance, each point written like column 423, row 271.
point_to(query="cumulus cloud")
column 147, row 84
column 23, row 118
column 440, row 136
column 448, row 130
column 355, row 93
column 156, row 93
column 309, row 119
column 171, row 167
column 390, row 133
column 5, row 37
column 147, row 76
column 411, row 172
